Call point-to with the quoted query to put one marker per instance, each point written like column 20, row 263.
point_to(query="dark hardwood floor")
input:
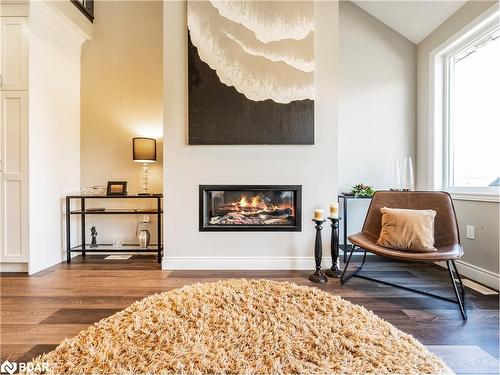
column 38, row 312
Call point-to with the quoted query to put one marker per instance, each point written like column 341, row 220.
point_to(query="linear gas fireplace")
column 250, row 207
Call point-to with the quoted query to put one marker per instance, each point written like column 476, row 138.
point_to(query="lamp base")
column 144, row 193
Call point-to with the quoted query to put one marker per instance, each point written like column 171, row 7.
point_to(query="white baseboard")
column 242, row 263
column 13, row 267
column 485, row 277
column 245, row 263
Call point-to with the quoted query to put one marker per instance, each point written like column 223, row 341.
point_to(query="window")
column 465, row 149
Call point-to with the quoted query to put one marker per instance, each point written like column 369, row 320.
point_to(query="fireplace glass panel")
column 250, row 208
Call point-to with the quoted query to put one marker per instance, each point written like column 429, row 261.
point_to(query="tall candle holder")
column 334, row 270
column 317, row 276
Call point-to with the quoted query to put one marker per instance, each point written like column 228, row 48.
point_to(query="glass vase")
column 395, row 175
column 408, row 178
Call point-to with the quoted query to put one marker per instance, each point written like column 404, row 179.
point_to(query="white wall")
column 122, row 98
column 54, row 131
column 445, row 31
column 377, row 122
column 483, row 251
column 481, row 259
column 186, row 167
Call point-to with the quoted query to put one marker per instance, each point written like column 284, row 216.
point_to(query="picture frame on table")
column 117, row 188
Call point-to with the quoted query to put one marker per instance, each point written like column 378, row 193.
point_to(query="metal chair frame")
column 460, row 297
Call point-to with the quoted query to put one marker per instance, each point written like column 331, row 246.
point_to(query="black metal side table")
column 84, row 211
column 346, row 198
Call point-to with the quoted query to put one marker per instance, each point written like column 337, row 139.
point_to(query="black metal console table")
column 109, row 248
column 346, row 197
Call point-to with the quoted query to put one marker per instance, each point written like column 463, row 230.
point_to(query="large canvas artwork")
column 251, row 72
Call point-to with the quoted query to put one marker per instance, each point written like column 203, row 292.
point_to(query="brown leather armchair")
column 447, row 239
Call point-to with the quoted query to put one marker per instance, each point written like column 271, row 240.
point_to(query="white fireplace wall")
column 377, row 104
column 186, row 167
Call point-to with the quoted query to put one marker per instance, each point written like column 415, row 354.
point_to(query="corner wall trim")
column 242, row 263
column 475, row 273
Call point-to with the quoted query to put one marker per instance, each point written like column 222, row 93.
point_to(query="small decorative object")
column 334, row 210
column 317, row 276
column 143, row 235
column 318, row 214
column 408, row 179
column 395, row 175
column 334, row 270
column 95, row 209
column 117, row 188
column 117, row 243
column 93, row 233
column 362, row 190
column 144, row 151
column 144, row 238
column 93, row 190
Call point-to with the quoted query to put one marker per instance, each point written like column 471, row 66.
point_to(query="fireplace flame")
column 243, row 201
column 255, row 201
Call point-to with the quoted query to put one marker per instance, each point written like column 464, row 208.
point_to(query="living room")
column 263, row 187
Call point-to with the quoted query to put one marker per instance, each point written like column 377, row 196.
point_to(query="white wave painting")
column 251, row 72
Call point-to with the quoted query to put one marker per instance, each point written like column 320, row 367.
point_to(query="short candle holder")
column 334, row 270
column 317, row 276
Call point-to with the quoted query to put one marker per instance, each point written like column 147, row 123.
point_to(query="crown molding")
column 45, row 19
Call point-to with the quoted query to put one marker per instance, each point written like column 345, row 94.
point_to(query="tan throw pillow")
column 407, row 229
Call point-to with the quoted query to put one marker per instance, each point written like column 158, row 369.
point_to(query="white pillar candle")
column 318, row 214
column 334, row 210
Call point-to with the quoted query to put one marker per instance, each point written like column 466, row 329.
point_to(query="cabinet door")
column 14, row 53
column 14, row 176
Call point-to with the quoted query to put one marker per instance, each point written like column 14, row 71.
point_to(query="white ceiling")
column 412, row 19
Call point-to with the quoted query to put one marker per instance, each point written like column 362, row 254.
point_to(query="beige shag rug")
column 240, row 326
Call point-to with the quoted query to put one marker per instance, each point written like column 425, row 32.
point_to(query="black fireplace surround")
column 250, row 208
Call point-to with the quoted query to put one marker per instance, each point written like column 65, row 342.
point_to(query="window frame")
column 440, row 109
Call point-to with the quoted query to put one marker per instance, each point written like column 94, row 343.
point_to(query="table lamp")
column 144, row 151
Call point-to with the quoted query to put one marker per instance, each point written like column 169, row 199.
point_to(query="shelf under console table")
column 84, row 211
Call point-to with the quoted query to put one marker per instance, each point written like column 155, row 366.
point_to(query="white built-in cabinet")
column 39, row 40
column 14, row 137
column 14, row 34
